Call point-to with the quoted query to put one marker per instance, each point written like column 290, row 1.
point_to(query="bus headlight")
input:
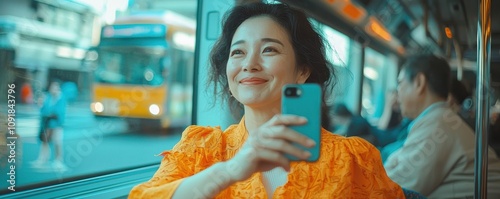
column 154, row 109
column 97, row 107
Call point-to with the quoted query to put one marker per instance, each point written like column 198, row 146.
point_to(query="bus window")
column 339, row 44
column 373, row 90
column 338, row 54
column 135, row 91
column 129, row 68
column 109, row 70
column 379, row 75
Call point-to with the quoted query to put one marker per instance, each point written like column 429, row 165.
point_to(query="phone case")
column 306, row 104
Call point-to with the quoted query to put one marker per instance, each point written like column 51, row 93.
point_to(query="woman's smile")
column 252, row 81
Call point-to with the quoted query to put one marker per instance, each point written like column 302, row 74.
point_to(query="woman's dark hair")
column 308, row 45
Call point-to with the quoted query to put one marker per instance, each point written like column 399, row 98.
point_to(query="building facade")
column 42, row 40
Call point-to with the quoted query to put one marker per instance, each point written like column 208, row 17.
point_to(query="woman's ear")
column 303, row 74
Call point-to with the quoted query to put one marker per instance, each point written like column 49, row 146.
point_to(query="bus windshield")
column 131, row 66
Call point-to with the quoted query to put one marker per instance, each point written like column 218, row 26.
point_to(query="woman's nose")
column 252, row 62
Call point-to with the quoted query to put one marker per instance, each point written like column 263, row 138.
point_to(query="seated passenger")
column 456, row 98
column 394, row 138
column 494, row 137
column 391, row 117
column 437, row 158
column 349, row 124
column 262, row 48
column 389, row 124
column 390, row 137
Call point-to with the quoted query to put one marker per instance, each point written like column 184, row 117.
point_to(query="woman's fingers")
column 265, row 158
column 274, row 157
column 283, row 146
column 287, row 120
column 288, row 134
column 267, row 145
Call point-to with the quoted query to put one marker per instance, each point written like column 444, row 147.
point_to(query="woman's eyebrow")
column 237, row 42
column 263, row 40
column 272, row 40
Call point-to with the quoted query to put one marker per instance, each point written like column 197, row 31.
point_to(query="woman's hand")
column 266, row 147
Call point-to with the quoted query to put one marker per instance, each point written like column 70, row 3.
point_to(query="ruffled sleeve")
column 198, row 148
column 366, row 177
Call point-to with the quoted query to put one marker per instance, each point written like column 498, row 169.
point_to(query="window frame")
column 114, row 185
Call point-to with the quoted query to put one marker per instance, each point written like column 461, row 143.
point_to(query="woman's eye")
column 236, row 52
column 269, row 49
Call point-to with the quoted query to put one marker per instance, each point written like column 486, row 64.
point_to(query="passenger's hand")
column 266, row 147
column 392, row 99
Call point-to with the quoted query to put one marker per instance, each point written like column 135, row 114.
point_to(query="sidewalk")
column 79, row 120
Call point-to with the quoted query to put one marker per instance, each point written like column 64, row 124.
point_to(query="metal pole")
column 482, row 99
column 361, row 81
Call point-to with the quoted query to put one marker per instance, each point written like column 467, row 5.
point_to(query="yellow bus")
column 143, row 69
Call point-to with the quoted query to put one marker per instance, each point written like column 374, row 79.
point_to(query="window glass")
column 339, row 43
column 373, row 84
column 337, row 53
column 126, row 101
column 129, row 67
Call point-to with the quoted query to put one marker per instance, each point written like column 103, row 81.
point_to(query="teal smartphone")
column 304, row 100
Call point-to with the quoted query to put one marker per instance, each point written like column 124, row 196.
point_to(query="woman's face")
column 261, row 61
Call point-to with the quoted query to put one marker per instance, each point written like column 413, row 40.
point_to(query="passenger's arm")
column 387, row 136
column 420, row 164
column 384, row 120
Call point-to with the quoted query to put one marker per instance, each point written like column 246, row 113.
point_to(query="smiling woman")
column 307, row 56
column 262, row 48
column 261, row 62
column 130, row 85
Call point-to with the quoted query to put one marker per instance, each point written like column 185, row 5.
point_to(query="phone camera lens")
column 291, row 92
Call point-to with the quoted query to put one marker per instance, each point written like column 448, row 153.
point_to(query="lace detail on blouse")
column 347, row 168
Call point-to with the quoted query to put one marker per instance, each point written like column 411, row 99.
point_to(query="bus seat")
column 410, row 194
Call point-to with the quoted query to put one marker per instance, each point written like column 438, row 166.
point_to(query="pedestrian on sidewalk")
column 52, row 112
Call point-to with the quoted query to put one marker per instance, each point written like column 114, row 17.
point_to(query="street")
column 91, row 146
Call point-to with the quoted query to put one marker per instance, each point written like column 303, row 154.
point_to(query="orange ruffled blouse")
column 347, row 168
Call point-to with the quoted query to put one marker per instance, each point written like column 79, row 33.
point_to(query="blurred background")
column 44, row 39
column 114, row 59
column 127, row 73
